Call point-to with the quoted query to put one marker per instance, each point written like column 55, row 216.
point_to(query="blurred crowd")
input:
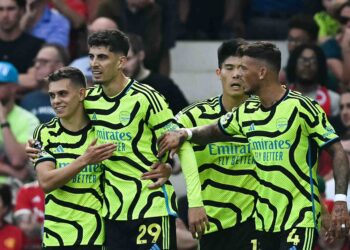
column 38, row 37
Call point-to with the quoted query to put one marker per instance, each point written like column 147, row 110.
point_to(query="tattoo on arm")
column 340, row 167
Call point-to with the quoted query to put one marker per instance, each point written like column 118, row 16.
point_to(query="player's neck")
column 230, row 102
column 270, row 94
column 116, row 86
column 75, row 122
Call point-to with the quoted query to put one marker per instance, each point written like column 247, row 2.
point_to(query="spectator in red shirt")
column 11, row 237
column 29, row 214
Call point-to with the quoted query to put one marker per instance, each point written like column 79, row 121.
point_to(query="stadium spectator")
column 135, row 68
column 49, row 58
column 307, row 74
column 337, row 49
column 45, row 23
column 16, row 46
column 11, row 237
column 29, row 214
column 154, row 21
column 328, row 25
column 302, row 29
column 16, row 125
column 268, row 19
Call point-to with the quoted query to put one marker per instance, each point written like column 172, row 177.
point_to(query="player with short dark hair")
column 70, row 169
column 226, row 169
column 133, row 116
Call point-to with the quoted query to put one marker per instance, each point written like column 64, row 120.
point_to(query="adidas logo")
column 155, row 247
column 94, row 117
column 252, row 127
column 59, row 149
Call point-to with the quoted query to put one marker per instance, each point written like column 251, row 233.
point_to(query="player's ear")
column 121, row 63
column 82, row 94
column 218, row 72
column 262, row 72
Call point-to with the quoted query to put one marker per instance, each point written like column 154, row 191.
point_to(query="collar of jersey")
column 276, row 103
column 79, row 132
column 121, row 94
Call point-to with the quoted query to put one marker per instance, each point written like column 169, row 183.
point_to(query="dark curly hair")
column 322, row 71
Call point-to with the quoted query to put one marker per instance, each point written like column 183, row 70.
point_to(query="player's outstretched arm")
column 51, row 178
column 340, row 216
column 173, row 140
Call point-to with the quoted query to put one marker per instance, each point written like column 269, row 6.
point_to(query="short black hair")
column 262, row 51
column 115, row 40
column 63, row 53
column 304, row 22
column 21, row 3
column 228, row 48
column 136, row 43
column 322, row 71
column 73, row 74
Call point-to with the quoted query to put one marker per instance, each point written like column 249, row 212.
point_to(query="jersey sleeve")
column 229, row 124
column 317, row 125
column 190, row 170
column 41, row 136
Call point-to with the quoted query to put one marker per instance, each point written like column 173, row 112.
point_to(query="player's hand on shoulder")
column 197, row 221
column 97, row 153
column 160, row 172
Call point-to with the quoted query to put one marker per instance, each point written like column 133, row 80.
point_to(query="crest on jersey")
column 124, row 117
column 281, row 124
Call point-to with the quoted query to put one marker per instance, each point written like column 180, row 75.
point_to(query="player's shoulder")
column 93, row 90
column 302, row 101
column 203, row 105
column 143, row 89
column 51, row 125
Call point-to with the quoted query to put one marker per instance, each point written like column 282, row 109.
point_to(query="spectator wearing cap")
column 16, row 126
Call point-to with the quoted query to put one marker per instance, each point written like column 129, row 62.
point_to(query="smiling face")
column 232, row 83
column 105, row 65
column 66, row 98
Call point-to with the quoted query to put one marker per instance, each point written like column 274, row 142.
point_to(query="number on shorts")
column 293, row 238
column 153, row 229
column 254, row 244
